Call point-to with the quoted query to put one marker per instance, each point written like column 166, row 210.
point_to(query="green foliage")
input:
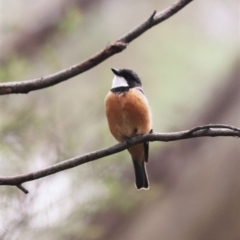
column 71, row 21
column 16, row 67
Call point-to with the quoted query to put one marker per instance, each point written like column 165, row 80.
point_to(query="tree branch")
column 212, row 130
column 22, row 188
column 50, row 80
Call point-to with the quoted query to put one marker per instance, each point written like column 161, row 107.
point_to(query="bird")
column 128, row 114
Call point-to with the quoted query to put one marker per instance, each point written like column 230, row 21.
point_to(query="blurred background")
column 189, row 66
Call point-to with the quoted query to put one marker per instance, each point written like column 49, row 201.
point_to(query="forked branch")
column 212, row 130
column 116, row 47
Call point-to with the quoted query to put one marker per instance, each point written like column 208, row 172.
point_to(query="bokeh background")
column 189, row 66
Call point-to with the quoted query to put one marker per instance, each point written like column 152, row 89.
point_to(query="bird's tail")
column 140, row 175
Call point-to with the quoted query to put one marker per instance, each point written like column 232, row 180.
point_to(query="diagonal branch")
column 212, row 130
column 50, row 80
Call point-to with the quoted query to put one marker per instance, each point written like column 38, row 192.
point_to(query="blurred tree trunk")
column 201, row 179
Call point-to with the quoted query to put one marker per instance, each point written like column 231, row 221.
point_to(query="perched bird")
column 129, row 115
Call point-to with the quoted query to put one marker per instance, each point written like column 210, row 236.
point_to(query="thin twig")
column 206, row 127
column 50, row 80
column 22, row 188
column 215, row 130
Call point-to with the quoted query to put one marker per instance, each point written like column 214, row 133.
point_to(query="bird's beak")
column 115, row 71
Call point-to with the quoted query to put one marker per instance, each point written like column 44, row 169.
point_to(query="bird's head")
column 125, row 78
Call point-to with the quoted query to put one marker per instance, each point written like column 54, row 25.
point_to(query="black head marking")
column 131, row 77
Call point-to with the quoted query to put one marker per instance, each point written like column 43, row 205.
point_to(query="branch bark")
column 212, row 130
column 50, row 80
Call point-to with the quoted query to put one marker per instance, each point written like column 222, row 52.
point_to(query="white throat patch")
column 119, row 82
